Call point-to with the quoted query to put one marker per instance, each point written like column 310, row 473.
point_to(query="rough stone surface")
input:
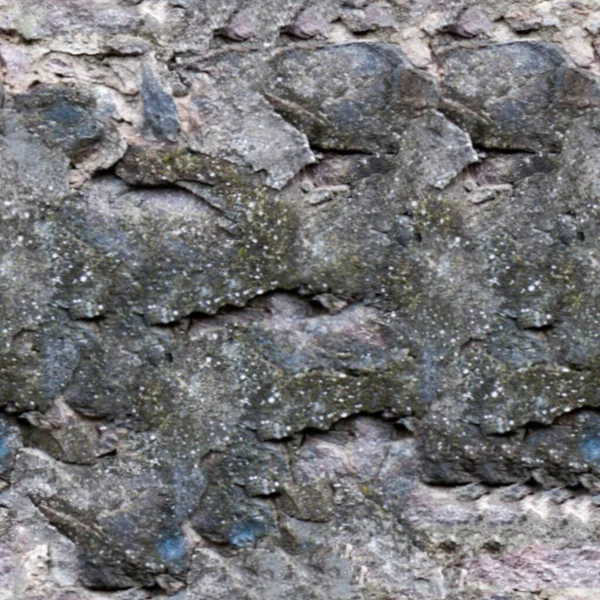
column 299, row 299
column 473, row 22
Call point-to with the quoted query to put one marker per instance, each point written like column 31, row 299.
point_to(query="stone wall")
column 300, row 298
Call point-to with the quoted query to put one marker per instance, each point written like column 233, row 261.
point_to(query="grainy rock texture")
column 300, row 298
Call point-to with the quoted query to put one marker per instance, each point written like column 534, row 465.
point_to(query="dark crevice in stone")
column 97, row 319
column 509, row 151
column 333, row 151
column 297, row 438
column 546, row 328
column 258, row 308
column 525, row 430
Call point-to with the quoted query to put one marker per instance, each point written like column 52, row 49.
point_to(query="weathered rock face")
column 299, row 299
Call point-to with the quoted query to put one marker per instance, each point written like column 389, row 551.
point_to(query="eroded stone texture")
column 349, row 97
column 299, row 299
column 529, row 110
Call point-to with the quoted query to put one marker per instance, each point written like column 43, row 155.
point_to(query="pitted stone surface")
column 299, row 298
